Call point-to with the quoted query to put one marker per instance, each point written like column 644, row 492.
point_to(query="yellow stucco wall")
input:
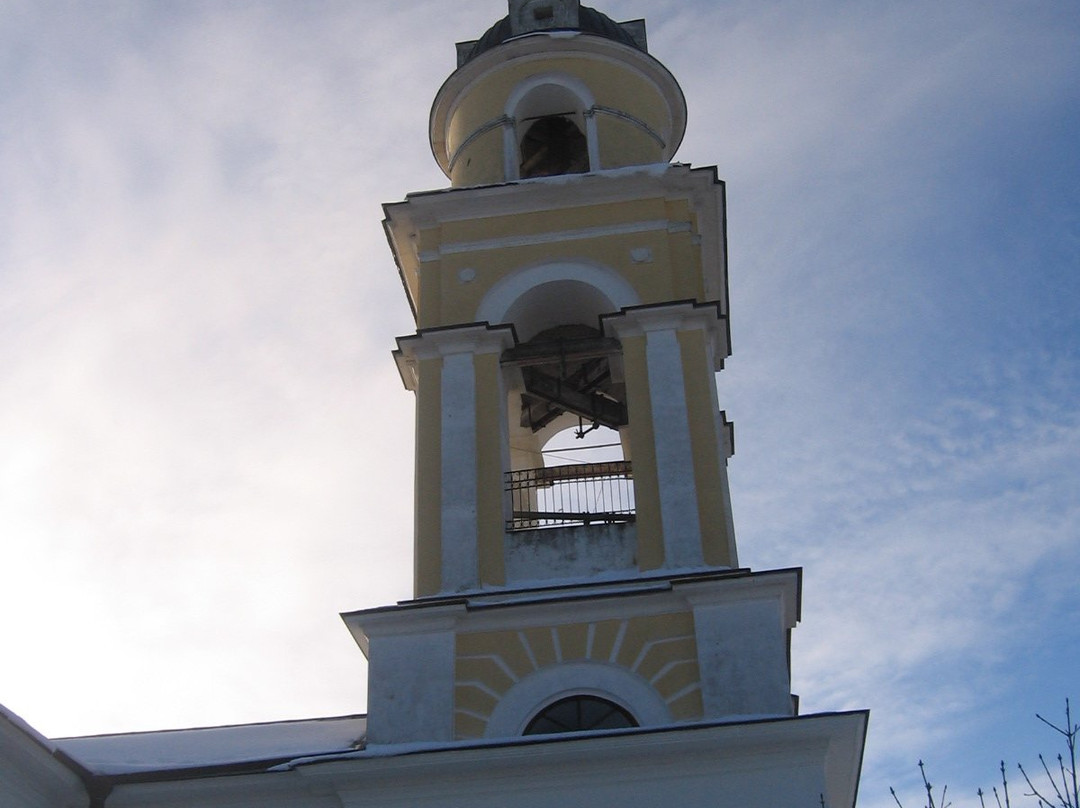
column 492, row 247
column 491, row 522
column 661, row 649
column 650, row 533
column 427, row 568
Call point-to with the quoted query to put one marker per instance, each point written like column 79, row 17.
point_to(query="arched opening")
column 551, row 132
column 583, row 443
column 579, row 714
column 571, row 398
column 564, row 374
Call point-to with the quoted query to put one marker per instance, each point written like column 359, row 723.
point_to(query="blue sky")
column 207, row 451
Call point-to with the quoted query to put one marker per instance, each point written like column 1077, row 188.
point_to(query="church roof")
column 238, row 747
column 590, row 21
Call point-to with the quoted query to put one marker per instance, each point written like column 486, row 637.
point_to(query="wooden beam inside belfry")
column 565, row 395
column 576, row 350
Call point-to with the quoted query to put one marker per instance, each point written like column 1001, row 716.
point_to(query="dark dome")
column 590, row 21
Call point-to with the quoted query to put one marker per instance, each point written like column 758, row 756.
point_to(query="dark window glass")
column 578, row 713
column 553, row 145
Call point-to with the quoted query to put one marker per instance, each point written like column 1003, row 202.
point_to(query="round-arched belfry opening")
column 555, row 88
column 551, row 127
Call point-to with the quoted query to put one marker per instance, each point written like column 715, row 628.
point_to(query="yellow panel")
column 687, row 707
column 625, row 144
column 665, row 651
column 491, row 522
column 688, row 280
column 503, row 644
column 467, row 726
column 705, row 448
column 540, row 641
column 673, row 273
column 477, row 644
column 604, row 634
column 473, row 699
column 646, row 484
column 428, row 500
column 429, row 305
column 678, row 677
column 484, row 670
column 549, row 221
column 657, row 627
column 613, row 85
column 481, row 162
column 572, row 641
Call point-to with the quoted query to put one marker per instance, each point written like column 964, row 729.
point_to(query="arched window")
column 579, row 713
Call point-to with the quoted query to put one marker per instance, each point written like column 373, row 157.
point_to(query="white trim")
column 495, row 659
column 592, row 139
column 616, row 646
column 524, row 640
column 471, row 713
column 618, row 685
column 511, row 169
column 647, row 647
column 500, row 297
column 483, row 688
column 556, row 237
column 668, row 668
column 678, row 694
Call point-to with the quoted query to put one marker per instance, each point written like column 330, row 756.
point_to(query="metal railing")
column 579, row 494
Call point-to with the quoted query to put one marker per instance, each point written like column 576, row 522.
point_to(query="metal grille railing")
column 580, row 494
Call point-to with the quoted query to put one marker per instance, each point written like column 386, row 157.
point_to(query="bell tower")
column 571, row 276
column 572, row 280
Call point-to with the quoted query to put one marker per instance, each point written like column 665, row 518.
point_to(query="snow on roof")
column 15, row 721
column 170, row 750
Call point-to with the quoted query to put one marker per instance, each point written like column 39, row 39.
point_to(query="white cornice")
column 551, row 237
column 681, row 316
column 516, row 610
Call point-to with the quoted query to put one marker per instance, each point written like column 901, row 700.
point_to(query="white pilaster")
column 458, row 526
column 410, row 675
column 742, row 640
column 674, row 463
column 660, row 326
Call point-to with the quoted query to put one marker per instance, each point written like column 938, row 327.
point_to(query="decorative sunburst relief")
column 646, row 664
